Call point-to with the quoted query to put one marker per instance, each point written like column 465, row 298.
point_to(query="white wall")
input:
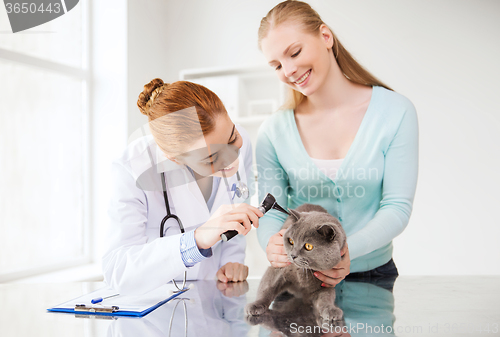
column 108, row 58
column 442, row 55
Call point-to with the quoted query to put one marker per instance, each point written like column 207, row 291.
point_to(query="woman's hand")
column 232, row 272
column 333, row 276
column 227, row 217
column 275, row 250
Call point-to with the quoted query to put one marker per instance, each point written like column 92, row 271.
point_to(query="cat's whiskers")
column 306, row 273
column 311, row 272
column 307, row 269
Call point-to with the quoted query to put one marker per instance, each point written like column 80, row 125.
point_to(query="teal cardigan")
column 372, row 194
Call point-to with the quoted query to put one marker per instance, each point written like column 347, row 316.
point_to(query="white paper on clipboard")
column 126, row 303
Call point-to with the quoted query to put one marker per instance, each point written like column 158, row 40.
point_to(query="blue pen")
column 100, row 299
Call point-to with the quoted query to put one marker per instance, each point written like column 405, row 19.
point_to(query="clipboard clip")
column 93, row 309
column 90, row 316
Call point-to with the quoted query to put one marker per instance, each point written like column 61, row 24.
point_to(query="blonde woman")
column 344, row 140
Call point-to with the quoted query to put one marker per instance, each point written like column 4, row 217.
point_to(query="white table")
column 418, row 306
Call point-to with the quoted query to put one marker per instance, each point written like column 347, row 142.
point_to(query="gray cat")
column 313, row 242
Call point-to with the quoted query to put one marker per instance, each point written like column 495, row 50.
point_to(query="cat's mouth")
column 301, row 264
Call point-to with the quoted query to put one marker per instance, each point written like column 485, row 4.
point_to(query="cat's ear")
column 327, row 231
column 295, row 214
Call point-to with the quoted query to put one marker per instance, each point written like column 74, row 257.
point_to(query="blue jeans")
column 383, row 276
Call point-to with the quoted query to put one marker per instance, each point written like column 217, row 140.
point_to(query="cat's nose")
column 293, row 257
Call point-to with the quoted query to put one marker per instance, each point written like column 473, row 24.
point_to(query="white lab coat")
column 137, row 260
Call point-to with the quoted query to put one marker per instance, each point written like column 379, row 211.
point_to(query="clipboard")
column 119, row 305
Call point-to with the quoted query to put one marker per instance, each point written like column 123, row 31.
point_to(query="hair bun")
column 146, row 94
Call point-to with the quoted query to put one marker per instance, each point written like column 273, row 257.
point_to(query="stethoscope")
column 240, row 189
column 176, row 218
column 183, row 300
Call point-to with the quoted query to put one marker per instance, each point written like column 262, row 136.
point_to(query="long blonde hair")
column 305, row 16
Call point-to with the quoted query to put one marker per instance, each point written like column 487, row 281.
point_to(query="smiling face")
column 302, row 60
column 215, row 153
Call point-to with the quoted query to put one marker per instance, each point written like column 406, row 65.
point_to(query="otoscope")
column 268, row 203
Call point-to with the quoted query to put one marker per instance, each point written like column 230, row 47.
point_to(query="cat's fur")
column 314, row 225
column 287, row 309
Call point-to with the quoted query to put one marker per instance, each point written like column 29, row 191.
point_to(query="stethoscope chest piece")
column 240, row 189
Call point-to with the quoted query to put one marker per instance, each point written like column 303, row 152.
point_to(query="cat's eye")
column 290, row 241
column 308, row 246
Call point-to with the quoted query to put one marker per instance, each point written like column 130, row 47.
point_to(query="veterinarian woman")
column 345, row 141
column 203, row 162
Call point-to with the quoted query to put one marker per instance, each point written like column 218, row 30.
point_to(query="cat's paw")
column 254, row 320
column 330, row 315
column 255, row 309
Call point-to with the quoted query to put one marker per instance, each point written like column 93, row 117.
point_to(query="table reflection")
column 368, row 307
column 421, row 306
column 211, row 308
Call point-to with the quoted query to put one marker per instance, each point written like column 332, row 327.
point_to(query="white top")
column 328, row 166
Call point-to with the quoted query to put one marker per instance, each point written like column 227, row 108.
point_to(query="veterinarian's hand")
column 232, row 272
column 275, row 250
column 232, row 289
column 238, row 217
column 333, row 276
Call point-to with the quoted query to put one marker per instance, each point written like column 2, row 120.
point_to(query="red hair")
column 198, row 109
